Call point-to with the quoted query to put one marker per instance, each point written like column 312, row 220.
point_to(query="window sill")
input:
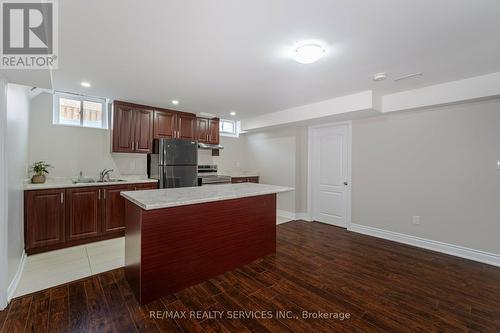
column 79, row 126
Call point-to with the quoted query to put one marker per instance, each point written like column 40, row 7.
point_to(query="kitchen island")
column 176, row 238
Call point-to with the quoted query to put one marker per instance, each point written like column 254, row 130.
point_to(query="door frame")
column 310, row 130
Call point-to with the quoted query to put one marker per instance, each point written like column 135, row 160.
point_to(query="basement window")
column 80, row 111
column 229, row 128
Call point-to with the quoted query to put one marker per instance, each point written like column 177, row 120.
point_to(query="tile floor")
column 53, row 268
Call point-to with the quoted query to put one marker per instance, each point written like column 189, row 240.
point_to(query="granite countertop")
column 62, row 182
column 237, row 174
column 172, row 197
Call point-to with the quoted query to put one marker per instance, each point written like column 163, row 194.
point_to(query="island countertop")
column 172, row 197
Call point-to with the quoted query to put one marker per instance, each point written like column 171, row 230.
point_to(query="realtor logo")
column 29, row 34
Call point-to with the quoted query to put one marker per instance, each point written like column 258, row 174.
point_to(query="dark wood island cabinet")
column 172, row 243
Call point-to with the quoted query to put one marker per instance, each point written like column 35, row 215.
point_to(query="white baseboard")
column 303, row 216
column 285, row 214
column 15, row 281
column 454, row 250
column 292, row 216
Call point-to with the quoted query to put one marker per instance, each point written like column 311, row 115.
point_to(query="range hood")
column 202, row 145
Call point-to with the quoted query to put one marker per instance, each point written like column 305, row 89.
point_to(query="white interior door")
column 330, row 174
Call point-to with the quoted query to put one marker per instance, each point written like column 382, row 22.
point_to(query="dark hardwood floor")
column 384, row 286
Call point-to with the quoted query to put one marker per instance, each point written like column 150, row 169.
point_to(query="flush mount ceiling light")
column 175, row 102
column 308, row 53
column 379, row 77
column 232, row 113
column 85, row 84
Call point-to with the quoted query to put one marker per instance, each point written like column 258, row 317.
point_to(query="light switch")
column 498, row 165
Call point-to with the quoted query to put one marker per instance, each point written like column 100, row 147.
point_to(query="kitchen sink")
column 89, row 180
column 111, row 181
column 84, row 181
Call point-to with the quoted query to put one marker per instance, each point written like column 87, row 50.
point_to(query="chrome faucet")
column 104, row 175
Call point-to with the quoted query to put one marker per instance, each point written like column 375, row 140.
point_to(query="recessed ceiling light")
column 379, row 77
column 175, row 102
column 85, row 84
column 308, row 53
column 232, row 113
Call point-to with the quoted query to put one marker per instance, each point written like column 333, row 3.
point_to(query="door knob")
column 346, row 183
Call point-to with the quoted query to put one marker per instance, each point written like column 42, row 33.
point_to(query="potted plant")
column 39, row 169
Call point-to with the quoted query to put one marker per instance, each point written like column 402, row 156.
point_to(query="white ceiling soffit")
column 356, row 105
column 31, row 78
column 346, row 104
column 471, row 89
column 226, row 55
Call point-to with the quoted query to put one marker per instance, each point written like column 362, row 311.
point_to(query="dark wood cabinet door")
column 114, row 208
column 143, row 131
column 145, row 186
column 123, row 128
column 165, row 124
column 235, row 180
column 253, row 180
column 202, row 130
column 213, row 131
column 44, row 218
column 186, row 128
column 83, row 211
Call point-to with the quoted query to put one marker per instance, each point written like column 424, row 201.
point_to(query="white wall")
column 73, row 149
column 439, row 164
column 273, row 155
column 3, row 196
column 17, row 161
column 232, row 157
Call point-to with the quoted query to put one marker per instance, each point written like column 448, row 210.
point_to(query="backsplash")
column 205, row 157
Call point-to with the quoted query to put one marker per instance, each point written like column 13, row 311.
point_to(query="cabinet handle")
column 104, row 193
column 133, row 145
column 62, row 197
column 99, row 195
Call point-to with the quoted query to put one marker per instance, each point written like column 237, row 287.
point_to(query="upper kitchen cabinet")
column 186, row 126
column 174, row 125
column 213, row 131
column 207, row 130
column 202, row 130
column 165, row 124
column 132, row 128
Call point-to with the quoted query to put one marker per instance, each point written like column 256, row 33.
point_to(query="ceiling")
column 231, row 55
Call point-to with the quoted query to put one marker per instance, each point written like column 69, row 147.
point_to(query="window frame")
column 81, row 98
column 236, row 125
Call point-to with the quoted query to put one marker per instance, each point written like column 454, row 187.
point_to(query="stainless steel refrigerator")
column 174, row 163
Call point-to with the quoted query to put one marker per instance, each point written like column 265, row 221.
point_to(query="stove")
column 207, row 175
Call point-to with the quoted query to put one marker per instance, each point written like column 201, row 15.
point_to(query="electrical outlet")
column 416, row 219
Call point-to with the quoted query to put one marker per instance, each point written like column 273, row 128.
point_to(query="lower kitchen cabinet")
column 244, row 180
column 145, row 186
column 114, row 208
column 83, row 211
column 44, row 210
column 66, row 217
